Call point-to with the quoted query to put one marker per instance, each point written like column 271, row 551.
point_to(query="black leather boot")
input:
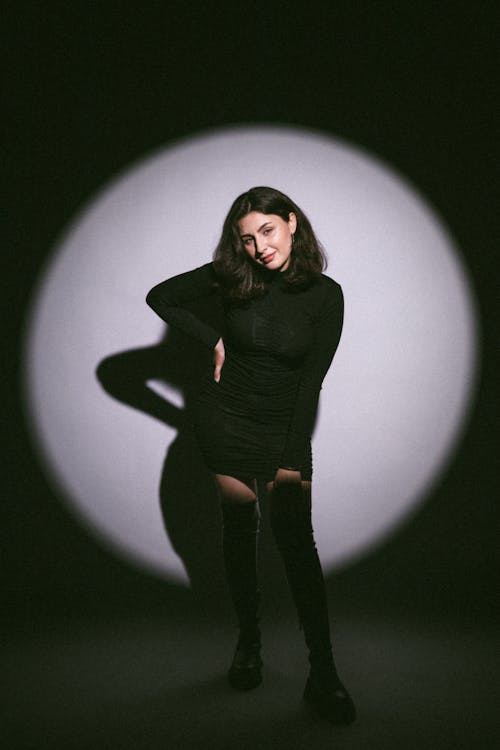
column 239, row 543
column 290, row 514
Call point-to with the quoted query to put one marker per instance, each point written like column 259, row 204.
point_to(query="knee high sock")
column 241, row 523
column 290, row 515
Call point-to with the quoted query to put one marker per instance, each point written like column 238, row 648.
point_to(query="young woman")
column 256, row 413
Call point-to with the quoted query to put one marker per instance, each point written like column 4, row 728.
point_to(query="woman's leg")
column 232, row 490
column 290, row 515
column 241, row 517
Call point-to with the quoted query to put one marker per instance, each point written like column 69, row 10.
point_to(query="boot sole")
column 247, row 680
column 342, row 713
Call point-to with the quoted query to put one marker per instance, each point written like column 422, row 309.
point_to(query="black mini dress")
column 279, row 347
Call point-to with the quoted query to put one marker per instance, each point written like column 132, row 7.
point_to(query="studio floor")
column 159, row 682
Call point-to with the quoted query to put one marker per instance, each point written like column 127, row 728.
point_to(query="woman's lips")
column 269, row 258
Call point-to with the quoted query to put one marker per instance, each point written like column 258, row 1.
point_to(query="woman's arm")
column 313, row 371
column 169, row 300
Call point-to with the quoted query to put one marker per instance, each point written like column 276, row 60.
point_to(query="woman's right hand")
column 219, row 357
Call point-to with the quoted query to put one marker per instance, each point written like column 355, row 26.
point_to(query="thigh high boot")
column 290, row 515
column 239, row 544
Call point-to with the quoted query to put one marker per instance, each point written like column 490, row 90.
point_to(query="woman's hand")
column 287, row 476
column 219, row 357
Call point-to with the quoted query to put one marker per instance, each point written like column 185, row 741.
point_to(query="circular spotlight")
column 393, row 403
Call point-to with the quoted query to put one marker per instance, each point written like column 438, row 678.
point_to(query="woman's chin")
column 276, row 264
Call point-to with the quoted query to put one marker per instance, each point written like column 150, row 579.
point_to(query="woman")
column 256, row 413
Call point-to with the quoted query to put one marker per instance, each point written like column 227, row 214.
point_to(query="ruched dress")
column 278, row 349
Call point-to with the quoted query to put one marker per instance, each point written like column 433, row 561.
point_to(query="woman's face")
column 267, row 238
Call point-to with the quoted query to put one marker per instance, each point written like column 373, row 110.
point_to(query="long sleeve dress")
column 279, row 347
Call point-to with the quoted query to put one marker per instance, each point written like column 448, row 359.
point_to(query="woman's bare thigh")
column 233, row 490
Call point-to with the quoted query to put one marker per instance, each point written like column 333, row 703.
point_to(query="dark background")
column 92, row 87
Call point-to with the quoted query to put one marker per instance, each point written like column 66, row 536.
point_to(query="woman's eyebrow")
column 247, row 234
column 263, row 225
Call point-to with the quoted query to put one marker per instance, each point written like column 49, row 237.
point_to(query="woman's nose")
column 260, row 245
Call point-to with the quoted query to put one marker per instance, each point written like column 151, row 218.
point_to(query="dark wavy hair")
column 238, row 275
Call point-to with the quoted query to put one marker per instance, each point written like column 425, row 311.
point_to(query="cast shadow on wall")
column 188, row 500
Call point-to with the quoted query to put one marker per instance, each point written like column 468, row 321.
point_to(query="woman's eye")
column 267, row 231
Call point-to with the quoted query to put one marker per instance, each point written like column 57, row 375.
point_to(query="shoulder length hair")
column 238, row 275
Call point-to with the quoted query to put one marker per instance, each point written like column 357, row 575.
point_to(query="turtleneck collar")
column 273, row 278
